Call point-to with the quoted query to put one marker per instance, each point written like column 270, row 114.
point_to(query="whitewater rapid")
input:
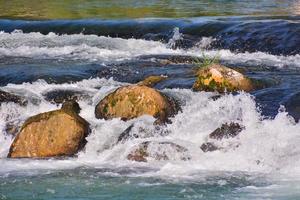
column 265, row 145
column 104, row 50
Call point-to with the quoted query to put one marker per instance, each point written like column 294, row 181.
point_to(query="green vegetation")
column 206, row 60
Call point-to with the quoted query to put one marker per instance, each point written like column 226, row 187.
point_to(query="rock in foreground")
column 221, row 79
column 56, row 133
column 136, row 100
column 158, row 151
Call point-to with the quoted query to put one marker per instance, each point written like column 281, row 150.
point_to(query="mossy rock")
column 219, row 78
column 51, row 134
column 133, row 101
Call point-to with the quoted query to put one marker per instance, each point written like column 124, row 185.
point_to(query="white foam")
column 266, row 145
column 106, row 49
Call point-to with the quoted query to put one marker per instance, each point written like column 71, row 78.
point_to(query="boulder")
column 151, row 81
column 132, row 101
column 6, row 97
column 158, row 151
column 219, row 78
column 56, row 133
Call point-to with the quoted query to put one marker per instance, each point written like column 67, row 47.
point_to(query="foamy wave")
column 106, row 49
column 265, row 145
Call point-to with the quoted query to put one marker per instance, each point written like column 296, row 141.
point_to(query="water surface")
column 90, row 48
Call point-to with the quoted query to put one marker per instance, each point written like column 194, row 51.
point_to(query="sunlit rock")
column 56, row 133
column 133, row 101
column 219, row 78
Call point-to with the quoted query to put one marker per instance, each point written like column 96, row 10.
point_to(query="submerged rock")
column 6, row 97
column 56, row 133
column 219, row 78
column 292, row 106
column 60, row 96
column 208, row 147
column 151, row 81
column 134, row 131
column 226, row 131
column 158, row 151
column 12, row 128
column 132, row 101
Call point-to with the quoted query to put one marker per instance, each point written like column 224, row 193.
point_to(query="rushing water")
column 95, row 56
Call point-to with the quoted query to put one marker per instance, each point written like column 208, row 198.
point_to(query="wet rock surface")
column 208, row 147
column 222, row 79
column 151, row 81
column 6, row 97
column 226, row 131
column 61, row 96
column 129, row 102
column 56, row 133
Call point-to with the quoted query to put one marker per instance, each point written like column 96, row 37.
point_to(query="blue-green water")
column 50, row 48
column 83, row 183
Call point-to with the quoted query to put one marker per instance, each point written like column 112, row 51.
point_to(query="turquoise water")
column 83, row 183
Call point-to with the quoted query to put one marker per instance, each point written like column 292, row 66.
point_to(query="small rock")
column 133, row 101
column 134, row 131
column 12, row 128
column 292, row 106
column 219, row 78
column 56, row 133
column 208, row 147
column 151, row 81
column 226, row 131
column 158, row 151
column 6, row 97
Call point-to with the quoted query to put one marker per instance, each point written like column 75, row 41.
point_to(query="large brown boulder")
column 56, row 133
column 136, row 100
column 219, row 78
column 158, row 151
